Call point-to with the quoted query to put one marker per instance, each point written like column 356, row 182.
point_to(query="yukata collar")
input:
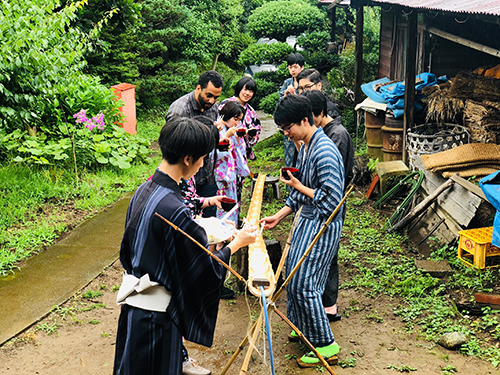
column 165, row 180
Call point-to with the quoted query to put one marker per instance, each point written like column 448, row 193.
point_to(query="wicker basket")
column 433, row 138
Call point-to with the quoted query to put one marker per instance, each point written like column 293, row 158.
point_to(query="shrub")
column 279, row 19
column 268, row 104
column 264, row 88
column 265, row 53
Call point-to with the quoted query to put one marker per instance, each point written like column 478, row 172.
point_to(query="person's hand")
column 292, row 182
column 246, row 235
column 231, row 132
column 213, row 201
column 270, row 222
column 219, row 125
column 216, row 200
column 290, row 90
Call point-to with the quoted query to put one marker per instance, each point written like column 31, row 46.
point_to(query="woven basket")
column 433, row 138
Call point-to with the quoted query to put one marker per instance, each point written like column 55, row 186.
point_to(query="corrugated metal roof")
column 491, row 7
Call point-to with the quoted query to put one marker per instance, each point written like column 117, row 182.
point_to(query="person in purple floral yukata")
column 230, row 163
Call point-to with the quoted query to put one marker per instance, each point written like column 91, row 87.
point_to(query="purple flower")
column 96, row 121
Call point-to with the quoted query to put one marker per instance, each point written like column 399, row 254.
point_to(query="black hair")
column 247, row 82
column 210, row 76
column 318, row 102
column 210, row 124
column 295, row 58
column 292, row 109
column 183, row 137
column 231, row 109
column 312, row 74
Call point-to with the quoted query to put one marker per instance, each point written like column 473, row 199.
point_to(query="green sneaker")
column 293, row 337
column 328, row 352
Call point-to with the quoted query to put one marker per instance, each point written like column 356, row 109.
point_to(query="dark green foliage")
column 264, row 88
column 279, row 19
column 269, row 53
column 113, row 53
column 159, row 90
column 277, row 76
column 268, row 104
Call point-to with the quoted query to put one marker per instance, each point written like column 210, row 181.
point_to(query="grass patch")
column 31, row 192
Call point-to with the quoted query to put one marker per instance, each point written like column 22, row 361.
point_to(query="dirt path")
column 371, row 337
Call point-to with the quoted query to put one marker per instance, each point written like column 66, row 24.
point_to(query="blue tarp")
column 490, row 185
column 393, row 94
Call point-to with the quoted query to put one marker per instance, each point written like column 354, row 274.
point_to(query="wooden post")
column 421, row 206
column 359, row 55
column 410, row 72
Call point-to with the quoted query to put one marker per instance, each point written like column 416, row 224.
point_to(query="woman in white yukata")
column 318, row 189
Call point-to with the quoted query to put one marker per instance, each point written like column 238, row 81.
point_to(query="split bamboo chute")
column 260, row 271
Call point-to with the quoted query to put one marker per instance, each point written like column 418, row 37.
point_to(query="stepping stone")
column 435, row 268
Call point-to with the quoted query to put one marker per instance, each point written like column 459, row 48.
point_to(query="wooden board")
column 260, row 270
column 458, row 202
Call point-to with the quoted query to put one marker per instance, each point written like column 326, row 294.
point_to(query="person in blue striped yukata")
column 171, row 287
column 318, row 189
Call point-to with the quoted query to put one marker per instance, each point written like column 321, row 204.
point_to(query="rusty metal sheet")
column 491, row 7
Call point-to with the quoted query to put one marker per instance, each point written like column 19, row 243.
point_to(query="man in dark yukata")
column 171, row 287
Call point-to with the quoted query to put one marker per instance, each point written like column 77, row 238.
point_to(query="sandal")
column 333, row 317
column 328, row 352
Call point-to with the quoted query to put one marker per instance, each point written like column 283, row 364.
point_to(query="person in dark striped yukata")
column 171, row 287
column 318, row 189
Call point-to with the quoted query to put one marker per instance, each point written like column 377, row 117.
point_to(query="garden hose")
column 268, row 329
column 400, row 211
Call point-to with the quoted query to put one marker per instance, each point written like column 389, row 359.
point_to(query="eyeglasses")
column 286, row 130
column 304, row 88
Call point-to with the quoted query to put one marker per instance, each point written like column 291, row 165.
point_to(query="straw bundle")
column 468, row 85
column 441, row 106
column 483, row 121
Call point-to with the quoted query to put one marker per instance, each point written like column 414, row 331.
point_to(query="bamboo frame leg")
column 253, row 340
column 305, row 341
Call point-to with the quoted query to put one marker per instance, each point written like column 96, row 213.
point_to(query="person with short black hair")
column 244, row 91
column 200, row 102
column 310, row 79
column 318, row 190
column 340, row 136
column 295, row 63
column 171, row 287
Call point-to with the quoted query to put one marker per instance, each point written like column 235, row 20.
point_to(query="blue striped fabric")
column 321, row 168
column 153, row 339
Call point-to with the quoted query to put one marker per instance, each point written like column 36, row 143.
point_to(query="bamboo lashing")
column 287, row 281
column 260, row 271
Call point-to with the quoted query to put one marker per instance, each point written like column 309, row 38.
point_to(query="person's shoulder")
column 181, row 102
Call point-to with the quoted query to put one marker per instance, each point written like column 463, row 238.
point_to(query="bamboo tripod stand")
column 253, row 330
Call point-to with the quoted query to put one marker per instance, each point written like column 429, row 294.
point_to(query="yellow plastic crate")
column 475, row 245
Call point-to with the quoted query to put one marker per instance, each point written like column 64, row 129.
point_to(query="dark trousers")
column 331, row 292
column 147, row 342
column 207, row 190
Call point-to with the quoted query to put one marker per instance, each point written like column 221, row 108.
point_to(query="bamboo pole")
column 238, row 276
column 253, row 340
column 305, row 341
column 292, row 273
